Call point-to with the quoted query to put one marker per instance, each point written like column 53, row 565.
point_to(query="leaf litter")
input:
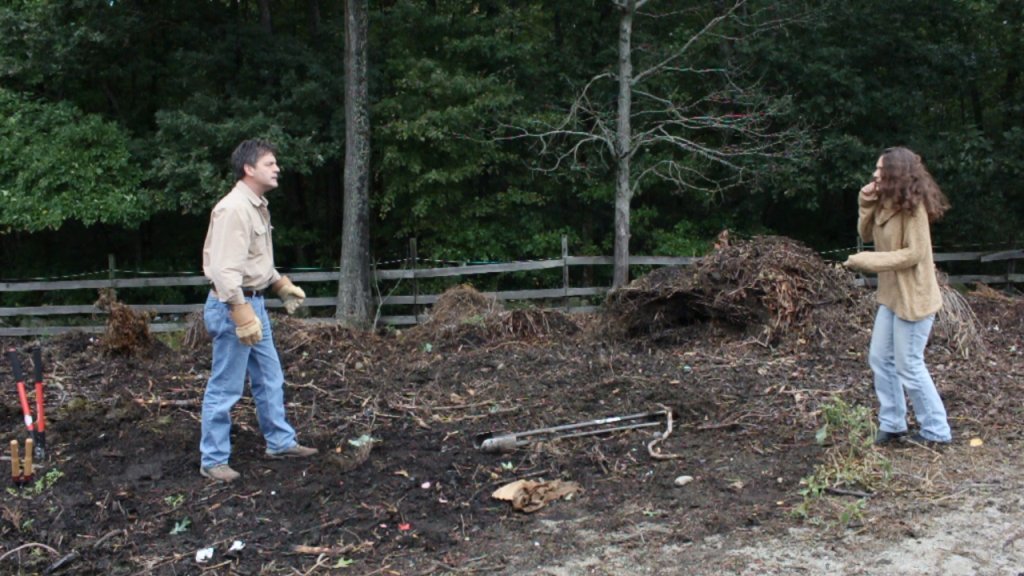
column 744, row 348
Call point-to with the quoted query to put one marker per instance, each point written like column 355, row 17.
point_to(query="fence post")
column 112, row 274
column 565, row 272
column 413, row 259
column 1010, row 266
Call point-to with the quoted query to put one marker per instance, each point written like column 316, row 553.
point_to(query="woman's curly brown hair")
column 905, row 181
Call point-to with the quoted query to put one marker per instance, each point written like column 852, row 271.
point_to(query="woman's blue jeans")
column 897, row 359
column 231, row 361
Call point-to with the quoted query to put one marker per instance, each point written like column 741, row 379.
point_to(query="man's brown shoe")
column 297, row 451
column 220, row 473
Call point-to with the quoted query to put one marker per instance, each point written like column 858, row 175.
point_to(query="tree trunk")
column 265, row 17
column 313, row 16
column 623, row 147
column 354, row 297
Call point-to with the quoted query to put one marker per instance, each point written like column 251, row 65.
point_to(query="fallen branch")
column 28, row 545
column 165, row 403
column 654, row 452
column 325, row 550
column 845, row 492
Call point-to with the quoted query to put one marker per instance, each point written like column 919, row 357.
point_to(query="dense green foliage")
column 120, row 116
column 60, row 165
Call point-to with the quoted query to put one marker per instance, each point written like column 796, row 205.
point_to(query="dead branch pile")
column 462, row 304
column 1003, row 310
column 195, row 331
column 769, row 283
column 127, row 330
column 465, row 315
column 957, row 323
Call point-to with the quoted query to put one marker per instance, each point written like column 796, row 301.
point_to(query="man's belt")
column 246, row 292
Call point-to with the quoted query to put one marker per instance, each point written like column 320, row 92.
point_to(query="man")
column 238, row 258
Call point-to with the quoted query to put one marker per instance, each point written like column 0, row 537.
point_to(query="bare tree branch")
column 638, row 78
column 582, row 112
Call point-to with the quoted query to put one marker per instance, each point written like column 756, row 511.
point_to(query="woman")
column 896, row 208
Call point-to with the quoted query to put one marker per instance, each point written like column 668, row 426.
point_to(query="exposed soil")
column 745, row 392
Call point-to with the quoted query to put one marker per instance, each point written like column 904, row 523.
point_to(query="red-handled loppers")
column 36, row 428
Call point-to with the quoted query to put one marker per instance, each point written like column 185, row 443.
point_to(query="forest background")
column 117, row 119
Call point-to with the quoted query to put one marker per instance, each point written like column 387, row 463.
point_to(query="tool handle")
column 37, row 371
column 27, row 468
column 12, row 357
column 592, row 423
column 606, row 430
column 37, row 365
column 15, row 462
column 40, row 416
column 25, row 411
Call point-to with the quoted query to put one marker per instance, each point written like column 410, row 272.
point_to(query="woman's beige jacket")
column 902, row 258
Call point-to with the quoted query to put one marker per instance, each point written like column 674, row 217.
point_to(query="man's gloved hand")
column 291, row 295
column 248, row 327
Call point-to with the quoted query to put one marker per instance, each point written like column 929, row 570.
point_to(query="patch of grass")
column 173, row 339
column 851, row 463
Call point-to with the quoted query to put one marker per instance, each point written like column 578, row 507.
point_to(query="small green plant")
column 853, row 422
column 172, row 340
column 174, row 500
column 42, row 484
column 850, row 460
column 343, row 562
column 851, row 512
column 181, row 526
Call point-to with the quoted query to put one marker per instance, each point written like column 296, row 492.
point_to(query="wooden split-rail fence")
column 39, row 320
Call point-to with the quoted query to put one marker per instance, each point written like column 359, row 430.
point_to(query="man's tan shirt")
column 238, row 252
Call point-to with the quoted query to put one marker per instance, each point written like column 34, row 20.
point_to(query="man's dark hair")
column 248, row 153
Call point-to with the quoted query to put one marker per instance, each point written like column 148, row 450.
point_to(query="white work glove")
column 248, row 327
column 291, row 295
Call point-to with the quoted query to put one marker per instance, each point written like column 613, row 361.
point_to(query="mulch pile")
column 770, row 285
column 775, row 289
column 464, row 315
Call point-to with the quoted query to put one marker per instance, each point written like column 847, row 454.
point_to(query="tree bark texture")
column 354, row 296
column 623, row 146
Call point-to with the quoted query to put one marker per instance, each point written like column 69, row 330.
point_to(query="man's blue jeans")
column 231, row 361
column 897, row 359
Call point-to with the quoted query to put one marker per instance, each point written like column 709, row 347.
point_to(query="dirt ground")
column 120, row 492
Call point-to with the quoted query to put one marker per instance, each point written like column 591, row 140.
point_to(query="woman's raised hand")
column 869, row 191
